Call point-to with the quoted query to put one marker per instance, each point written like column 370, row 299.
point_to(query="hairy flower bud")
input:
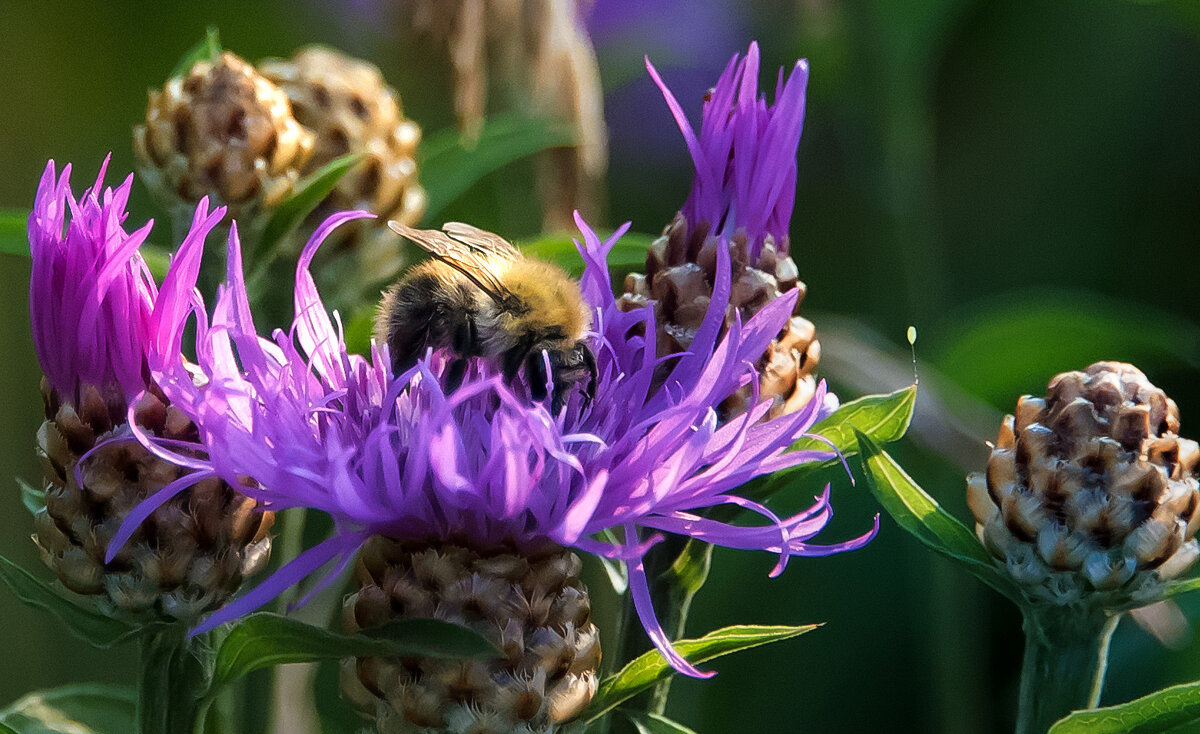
column 1090, row 490
column 223, row 131
column 532, row 607
column 349, row 107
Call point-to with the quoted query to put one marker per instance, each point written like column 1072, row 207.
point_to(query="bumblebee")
column 480, row 297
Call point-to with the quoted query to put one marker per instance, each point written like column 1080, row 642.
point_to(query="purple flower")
column 93, row 305
column 745, row 153
column 317, row 427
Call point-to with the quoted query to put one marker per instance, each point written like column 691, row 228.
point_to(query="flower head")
column 97, row 319
column 741, row 201
column 396, row 456
column 90, row 292
column 745, row 153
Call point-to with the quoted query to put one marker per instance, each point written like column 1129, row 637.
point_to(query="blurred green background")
column 1020, row 180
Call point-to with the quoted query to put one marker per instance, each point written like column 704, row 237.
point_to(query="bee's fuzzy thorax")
column 551, row 300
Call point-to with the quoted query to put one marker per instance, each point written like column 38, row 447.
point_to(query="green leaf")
column 628, row 254
column 650, row 668
column 265, row 639
column 1175, row 588
column 1160, row 711
column 14, row 233
column 618, row 574
column 359, row 329
column 99, row 630
column 884, row 418
column 655, row 724
column 33, row 498
column 449, row 168
column 157, row 259
column 208, row 49
column 87, row 708
column 924, row 518
column 310, row 191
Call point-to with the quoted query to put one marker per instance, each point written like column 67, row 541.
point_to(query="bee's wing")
column 492, row 244
column 471, row 261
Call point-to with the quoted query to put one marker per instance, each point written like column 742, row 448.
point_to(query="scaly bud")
column 349, row 108
column 533, row 608
column 97, row 326
column 1090, row 493
column 223, row 131
column 741, row 199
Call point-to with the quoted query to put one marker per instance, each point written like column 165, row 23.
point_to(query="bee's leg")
column 455, row 371
column 512, row 359
column 462, row 342
column 589, row 362
column 535, row 372
column 465, row 337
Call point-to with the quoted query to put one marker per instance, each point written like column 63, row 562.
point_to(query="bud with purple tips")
column 741, row 200
column 96, row 316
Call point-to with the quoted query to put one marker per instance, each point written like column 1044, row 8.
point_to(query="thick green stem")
column 174, row 674
column 1066, row 653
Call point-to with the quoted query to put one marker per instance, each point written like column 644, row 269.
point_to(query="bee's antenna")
column 912, row 345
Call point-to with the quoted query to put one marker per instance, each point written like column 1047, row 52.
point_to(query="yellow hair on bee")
column 552, row 298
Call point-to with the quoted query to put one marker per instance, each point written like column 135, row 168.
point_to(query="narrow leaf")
column 14, row 236
column 627, row 255
column 655, row 724
column 449, row 168
column 1158, row 712
column 650, row 668
column 310, row 191
column 208, row 49
column 883, row 418
column 99, row 630
column 360, row 327
column 264, row 639
column 924, row 518
column 157, row 259
column 1175, row 588
column 33, row 498
column 88, row 708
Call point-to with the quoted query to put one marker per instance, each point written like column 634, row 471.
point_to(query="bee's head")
column 558, row 370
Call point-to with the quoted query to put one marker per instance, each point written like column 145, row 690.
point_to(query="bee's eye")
column 556, row 332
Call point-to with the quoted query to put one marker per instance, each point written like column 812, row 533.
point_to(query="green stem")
column 676, row 568
column 174, row 674
column 1066, row 653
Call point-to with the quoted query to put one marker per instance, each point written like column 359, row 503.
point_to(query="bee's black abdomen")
column 427, row 310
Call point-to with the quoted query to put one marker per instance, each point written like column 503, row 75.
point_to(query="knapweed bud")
column 680, row 273
column 741, row 199
column 1090, row 493
column 532, row 607
column 193, row 553
column 98, row 325
column 349, row 108
column 224, row 131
